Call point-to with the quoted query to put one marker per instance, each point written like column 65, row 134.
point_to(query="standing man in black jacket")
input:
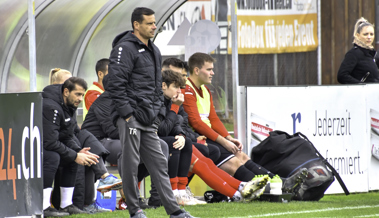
column 60, row 146
column 98, row 122
column 136, row 89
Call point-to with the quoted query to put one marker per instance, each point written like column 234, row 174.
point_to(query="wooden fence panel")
column 338, row 18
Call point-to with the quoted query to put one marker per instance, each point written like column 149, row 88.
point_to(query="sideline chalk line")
column 309, row 211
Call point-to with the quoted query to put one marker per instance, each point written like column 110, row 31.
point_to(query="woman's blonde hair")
column 56, row 75
column 361, row 22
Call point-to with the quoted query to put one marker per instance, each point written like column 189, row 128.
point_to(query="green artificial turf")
column 363, row 205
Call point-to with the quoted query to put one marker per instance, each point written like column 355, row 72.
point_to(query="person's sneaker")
column 95, row 208
column 52, row 212
column 191, row 195
column 237, row 197
column 185, row 200
column 254, row 188
column 143, row 204
column 293, row 183
column 276, row 185
column 72, row 209
column 121, row 204
column 109, row 183
column 139, row 214
column 184, row 214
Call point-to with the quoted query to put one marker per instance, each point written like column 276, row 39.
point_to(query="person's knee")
column 214, row 152
column 234, row 162
column 242, row 157
column 187, row 146
column 231, row 165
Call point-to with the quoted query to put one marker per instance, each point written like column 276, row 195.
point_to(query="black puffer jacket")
column 59, row 124
column 135, row 80
column 357, row 62
column 171, row 124
column 98, row 120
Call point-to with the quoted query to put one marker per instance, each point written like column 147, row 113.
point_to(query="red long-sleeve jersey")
column 92, row 95
column 194, row 119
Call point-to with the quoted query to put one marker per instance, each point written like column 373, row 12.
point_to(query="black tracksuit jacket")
column 135, row 80
column 59, row 124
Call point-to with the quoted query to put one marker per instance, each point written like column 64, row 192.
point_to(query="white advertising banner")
column 334, row 118
column 373, row 129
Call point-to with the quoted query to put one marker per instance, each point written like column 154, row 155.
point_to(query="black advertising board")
column 21, row 184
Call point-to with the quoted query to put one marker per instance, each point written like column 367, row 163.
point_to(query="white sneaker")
column 237, row 197
column 190, row 195
column 185, row 200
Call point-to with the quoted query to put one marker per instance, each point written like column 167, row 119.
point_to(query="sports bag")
column 285, row 154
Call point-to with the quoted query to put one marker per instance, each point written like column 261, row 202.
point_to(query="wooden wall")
column 338, row 18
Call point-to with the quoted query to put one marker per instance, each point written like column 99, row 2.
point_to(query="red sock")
column 202, row 170
column 139, row 185
column 182, row 183
column 233, row 182
column 174, row 183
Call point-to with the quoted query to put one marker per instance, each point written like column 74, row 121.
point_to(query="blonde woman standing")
column 360, row 64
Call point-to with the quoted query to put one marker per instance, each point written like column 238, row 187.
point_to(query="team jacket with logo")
column 59, row 124
column 135, row 80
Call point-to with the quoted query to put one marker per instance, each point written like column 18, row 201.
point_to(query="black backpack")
column 285, row 154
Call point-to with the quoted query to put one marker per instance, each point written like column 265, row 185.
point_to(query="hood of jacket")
column 54, row 92
column 125, row 36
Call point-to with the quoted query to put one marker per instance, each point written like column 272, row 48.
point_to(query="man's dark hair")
column 185, row 65
column 138, row 13
column 72, row 81
column 171, row 77
column 101, row 65
column 198, row 59
column 173, row 62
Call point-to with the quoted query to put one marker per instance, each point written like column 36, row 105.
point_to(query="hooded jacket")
column 98, row 121
column 357, row 62
column 135, row 80
column 59, row 124
column 171, row 124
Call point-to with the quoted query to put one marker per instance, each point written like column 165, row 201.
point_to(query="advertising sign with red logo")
column 21, row 154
